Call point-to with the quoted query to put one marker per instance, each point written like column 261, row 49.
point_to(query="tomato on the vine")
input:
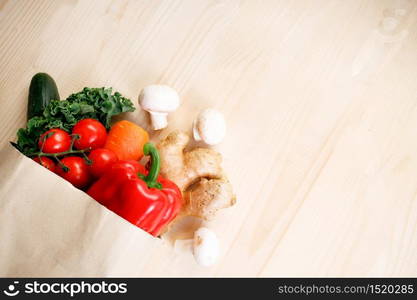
column 101, row 160
column 46, row 162
column 54, row 141
column 77, row 171
column 91, row 134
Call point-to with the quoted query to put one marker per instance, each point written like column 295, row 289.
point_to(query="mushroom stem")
column 196, row 135
column 206, row 247
column 158, row 120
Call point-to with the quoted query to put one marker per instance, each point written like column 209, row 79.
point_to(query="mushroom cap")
column 210, row 126
column 159, row 98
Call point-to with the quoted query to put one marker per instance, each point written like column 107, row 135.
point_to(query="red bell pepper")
column 141, row 197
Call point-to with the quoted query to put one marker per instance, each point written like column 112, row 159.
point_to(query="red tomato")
column 77, row 173
column 101, row 159
column 54, row 141
column 92, row 134
column 46, row 162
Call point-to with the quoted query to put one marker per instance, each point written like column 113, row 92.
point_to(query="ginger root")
column 198, row 174
column 208, row 196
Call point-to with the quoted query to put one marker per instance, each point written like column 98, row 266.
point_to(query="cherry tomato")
column 54, row 141
column 46, row 162
column 92, row 134
column 101, row 159
column 77, row 172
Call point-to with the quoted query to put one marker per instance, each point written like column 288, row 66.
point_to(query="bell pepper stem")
column 150, row 179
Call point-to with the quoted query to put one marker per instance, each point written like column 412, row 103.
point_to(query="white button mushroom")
column 159, row 100
column 209, row 126
column 206, row 247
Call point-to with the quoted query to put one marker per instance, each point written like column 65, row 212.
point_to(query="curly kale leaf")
column 95, row 103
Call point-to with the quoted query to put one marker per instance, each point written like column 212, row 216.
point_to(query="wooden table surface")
column 320, row 99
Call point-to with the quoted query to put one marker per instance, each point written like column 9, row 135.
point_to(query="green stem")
column 43, row 144
column 64, row 167
column 39, row 154
column 150, row 179
column 74, row 137
column 87, row 160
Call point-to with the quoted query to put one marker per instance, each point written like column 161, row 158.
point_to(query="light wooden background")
column 320, row 99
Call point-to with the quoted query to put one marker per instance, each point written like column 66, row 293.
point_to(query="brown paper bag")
column 49, row 228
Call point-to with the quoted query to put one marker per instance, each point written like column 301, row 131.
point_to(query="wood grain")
column 320, row 99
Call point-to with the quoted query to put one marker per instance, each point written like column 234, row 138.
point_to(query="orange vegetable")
column 126, row 140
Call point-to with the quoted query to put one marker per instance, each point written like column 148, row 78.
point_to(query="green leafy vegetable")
column 95, row 103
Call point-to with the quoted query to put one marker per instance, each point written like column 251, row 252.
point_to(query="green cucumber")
column 42, row 90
